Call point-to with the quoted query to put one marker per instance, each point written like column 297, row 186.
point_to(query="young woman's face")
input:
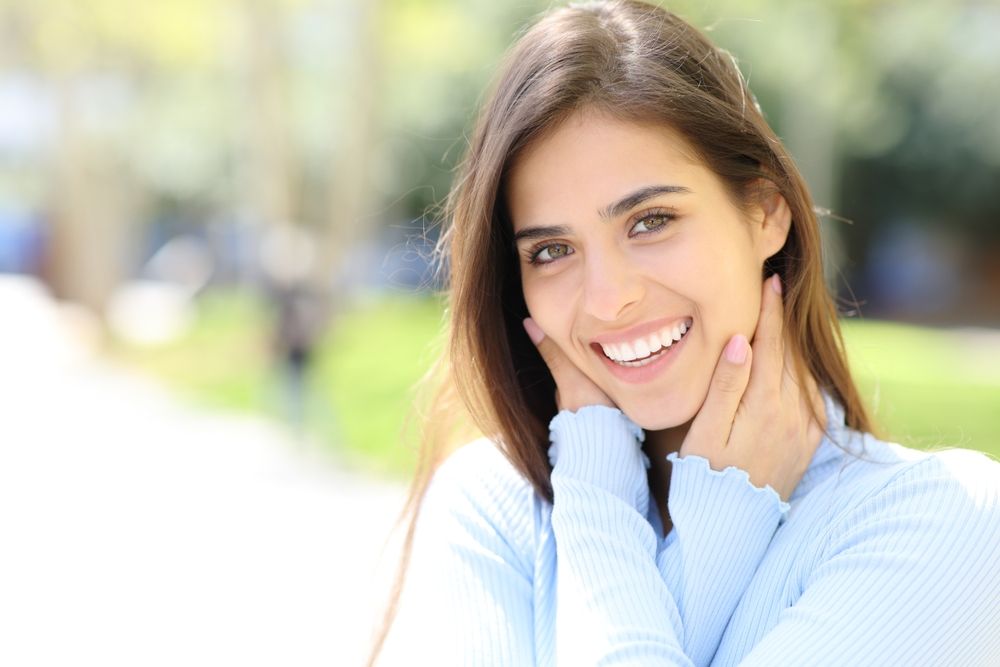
column 625, row 241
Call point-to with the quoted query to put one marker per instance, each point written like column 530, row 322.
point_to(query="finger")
column 573, row 388
column 714, row 421
column 563, row 371
column 551, row 354
column 769, row 339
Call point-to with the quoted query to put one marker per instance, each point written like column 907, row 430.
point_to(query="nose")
column 610, row 285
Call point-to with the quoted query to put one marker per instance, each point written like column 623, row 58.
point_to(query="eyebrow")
column 630, row 201
column 531, row 233
column 613, row 210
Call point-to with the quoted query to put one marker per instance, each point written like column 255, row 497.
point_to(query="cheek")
column 542, row 299
column 724, row 284
column 534, row 300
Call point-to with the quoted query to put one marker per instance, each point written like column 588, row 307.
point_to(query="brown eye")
column 550, row 253
column 650, row 224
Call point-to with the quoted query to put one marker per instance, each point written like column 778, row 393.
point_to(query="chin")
column 657, row 416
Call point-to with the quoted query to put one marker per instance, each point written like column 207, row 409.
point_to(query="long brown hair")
column 641, row 63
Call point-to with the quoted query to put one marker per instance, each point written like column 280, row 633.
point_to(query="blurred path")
column 138, row 531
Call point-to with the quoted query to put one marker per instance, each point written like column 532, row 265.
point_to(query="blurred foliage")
column 906, row 88
column 257, row 109
column 348, row 116
column 930, row 388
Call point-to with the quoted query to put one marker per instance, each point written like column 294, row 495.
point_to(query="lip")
column 639, row 331
column 640, row 374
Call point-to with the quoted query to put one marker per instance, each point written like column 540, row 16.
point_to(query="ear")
column 774, row 221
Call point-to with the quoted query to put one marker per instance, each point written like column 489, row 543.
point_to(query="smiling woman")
column 676, row 466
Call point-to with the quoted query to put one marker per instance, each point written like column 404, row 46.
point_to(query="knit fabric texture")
column 883, row 555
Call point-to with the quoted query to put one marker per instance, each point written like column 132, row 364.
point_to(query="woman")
column 679, row 469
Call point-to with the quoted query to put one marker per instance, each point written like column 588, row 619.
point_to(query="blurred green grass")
column 930, row 388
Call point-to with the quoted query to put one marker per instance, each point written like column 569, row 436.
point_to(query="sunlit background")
column 216, row 219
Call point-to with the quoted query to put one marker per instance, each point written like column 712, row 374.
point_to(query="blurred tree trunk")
column 91, row 207
column 351, row 199
column 90, row 198
column 271, row 184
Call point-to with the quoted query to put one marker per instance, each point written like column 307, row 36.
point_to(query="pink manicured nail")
column 736, row 349
column 776, row 283
column 534, row 332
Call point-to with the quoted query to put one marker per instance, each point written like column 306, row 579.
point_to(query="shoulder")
column 470, row 570
column 961, row 478
column 476, row 495
column 480, row 471
column 948, row 497
column 870, row 467
column 925, row 541
column 975, row 474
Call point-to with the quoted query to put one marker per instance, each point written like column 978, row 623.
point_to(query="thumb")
column 714, row 421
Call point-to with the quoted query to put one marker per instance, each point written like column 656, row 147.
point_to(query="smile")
column 646, row 349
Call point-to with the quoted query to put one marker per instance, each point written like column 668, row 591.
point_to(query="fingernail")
column 736, row 349
column 534, row 332
column 776, row 283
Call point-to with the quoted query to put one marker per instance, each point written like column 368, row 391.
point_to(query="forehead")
column 591, row 159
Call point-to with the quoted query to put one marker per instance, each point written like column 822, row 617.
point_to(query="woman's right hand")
column 574, row 390
column 756, row 415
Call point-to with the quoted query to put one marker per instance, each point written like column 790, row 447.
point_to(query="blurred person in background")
column 288, row 258
column 678, row 468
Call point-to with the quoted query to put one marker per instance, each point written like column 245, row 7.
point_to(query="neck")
column 657, row 445
column 660, row 443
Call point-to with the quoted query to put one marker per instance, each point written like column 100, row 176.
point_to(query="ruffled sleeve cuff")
column 722, row 504
column 599, row 445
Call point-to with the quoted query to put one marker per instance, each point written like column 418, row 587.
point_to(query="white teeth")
column 639, row 351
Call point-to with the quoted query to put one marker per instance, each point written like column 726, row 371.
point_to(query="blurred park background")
column 236, row 199
column 238, row 196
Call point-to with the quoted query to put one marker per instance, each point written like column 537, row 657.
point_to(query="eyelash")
column 666, row 216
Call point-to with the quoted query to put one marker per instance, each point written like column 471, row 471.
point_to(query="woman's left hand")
column 767, row 429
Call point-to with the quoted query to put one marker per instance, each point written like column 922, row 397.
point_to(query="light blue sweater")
column 890, row 560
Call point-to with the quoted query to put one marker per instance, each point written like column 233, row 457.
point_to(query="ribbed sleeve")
column 909, row 576
column 468, row 596
column 890, row 559
column 613, row 607
column 600, row 445
column 722, row 527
